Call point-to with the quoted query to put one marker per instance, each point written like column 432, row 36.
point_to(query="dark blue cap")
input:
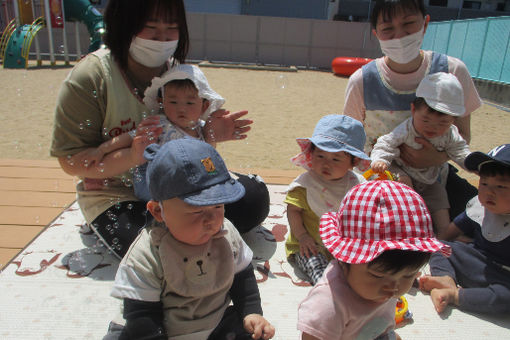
column 191, row 170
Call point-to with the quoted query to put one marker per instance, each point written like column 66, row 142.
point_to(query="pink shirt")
column 355, row 105
column 332, row 310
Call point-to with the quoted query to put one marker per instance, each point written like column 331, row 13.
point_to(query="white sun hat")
column 442, row 92
column 184, row 71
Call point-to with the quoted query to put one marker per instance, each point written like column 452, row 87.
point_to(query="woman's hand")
column 89, row 157
column 223, row 126
column 423, row 158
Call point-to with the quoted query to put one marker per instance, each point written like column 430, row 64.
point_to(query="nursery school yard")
column 283, row 105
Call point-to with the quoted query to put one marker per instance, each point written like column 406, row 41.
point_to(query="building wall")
column 311, row 9
column 360, row 10
column 214, row 6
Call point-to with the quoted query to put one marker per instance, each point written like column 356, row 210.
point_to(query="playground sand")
column 283, row 106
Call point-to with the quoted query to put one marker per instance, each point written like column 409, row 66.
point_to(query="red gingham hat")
column 376, row 216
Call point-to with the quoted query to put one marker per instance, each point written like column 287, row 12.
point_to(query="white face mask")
column 152, row 53
column 403, row 50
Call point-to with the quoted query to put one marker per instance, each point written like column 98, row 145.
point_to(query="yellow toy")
column 402, row 310
column 372, row 175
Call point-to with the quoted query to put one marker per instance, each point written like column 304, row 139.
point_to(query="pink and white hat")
column 376, row 216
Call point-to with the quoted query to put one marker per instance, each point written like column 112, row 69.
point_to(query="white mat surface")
column 58, row 287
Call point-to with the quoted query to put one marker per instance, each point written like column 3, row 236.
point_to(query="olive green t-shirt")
column 95, row 104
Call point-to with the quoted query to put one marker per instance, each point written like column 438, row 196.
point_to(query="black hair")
column 126, row 18
column 492, row 169
column 420, row 102
column 395, row 260
column 353, row 158
column 389, row 8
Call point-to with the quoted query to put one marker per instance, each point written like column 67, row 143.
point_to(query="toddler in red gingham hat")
column 381, row 237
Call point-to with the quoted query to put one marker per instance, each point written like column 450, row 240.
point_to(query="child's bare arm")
column 307, row 246
column 93, row 156
column 120, row 142
column 115, row 162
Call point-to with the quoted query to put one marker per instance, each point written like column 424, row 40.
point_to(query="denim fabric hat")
column 500, row 154
column 442, row 92
column 377, row 216
column 191, row 170
column 333, row 133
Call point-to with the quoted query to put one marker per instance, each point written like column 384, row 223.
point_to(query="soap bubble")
column 281, row 81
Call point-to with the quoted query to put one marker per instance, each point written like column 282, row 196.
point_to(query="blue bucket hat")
column 333, row 133
column 500, row 154
column 191, row 170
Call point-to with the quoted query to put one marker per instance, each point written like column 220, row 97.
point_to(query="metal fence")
column 482, row 44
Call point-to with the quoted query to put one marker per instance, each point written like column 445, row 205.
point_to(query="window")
column 442, row 3
column 472, row 4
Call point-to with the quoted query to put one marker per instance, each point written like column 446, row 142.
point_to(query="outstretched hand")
column 223, row 126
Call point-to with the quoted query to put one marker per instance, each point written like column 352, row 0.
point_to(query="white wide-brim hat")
column 184, row 71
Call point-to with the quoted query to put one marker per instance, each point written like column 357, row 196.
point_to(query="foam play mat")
column 59, row 287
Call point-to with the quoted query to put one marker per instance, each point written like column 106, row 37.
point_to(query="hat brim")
column 303, row 159
column 151, row 99
column 357, row 251
column 447, row 108
column 475, row 159
column 332, row 145
column 222, row 193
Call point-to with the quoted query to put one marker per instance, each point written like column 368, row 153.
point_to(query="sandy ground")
column 283, row 105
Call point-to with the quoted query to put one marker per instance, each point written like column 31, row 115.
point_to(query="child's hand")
column 307, row 245
column 223, row 126
column 379, row 167
column 258, row 326
column 89, row 157
column 151, row 127
column 138, row 147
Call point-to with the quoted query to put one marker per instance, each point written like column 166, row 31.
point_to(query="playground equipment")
column 345, row 66
column 17, row 37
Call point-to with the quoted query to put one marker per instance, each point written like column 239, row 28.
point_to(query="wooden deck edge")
column 36, row 163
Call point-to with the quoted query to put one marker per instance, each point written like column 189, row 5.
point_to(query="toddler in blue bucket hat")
column 180, row 274
column 329, row 156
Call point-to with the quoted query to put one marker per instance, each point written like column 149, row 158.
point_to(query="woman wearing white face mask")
column 380, row 93
column 102, row 98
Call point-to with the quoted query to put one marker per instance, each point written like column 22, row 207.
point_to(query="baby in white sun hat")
column 380, row 238
column 439, row 101
column 182, row 100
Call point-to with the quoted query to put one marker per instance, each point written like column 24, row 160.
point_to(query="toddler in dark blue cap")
column 181, row 273
column 476, row 278
column 335, row 147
